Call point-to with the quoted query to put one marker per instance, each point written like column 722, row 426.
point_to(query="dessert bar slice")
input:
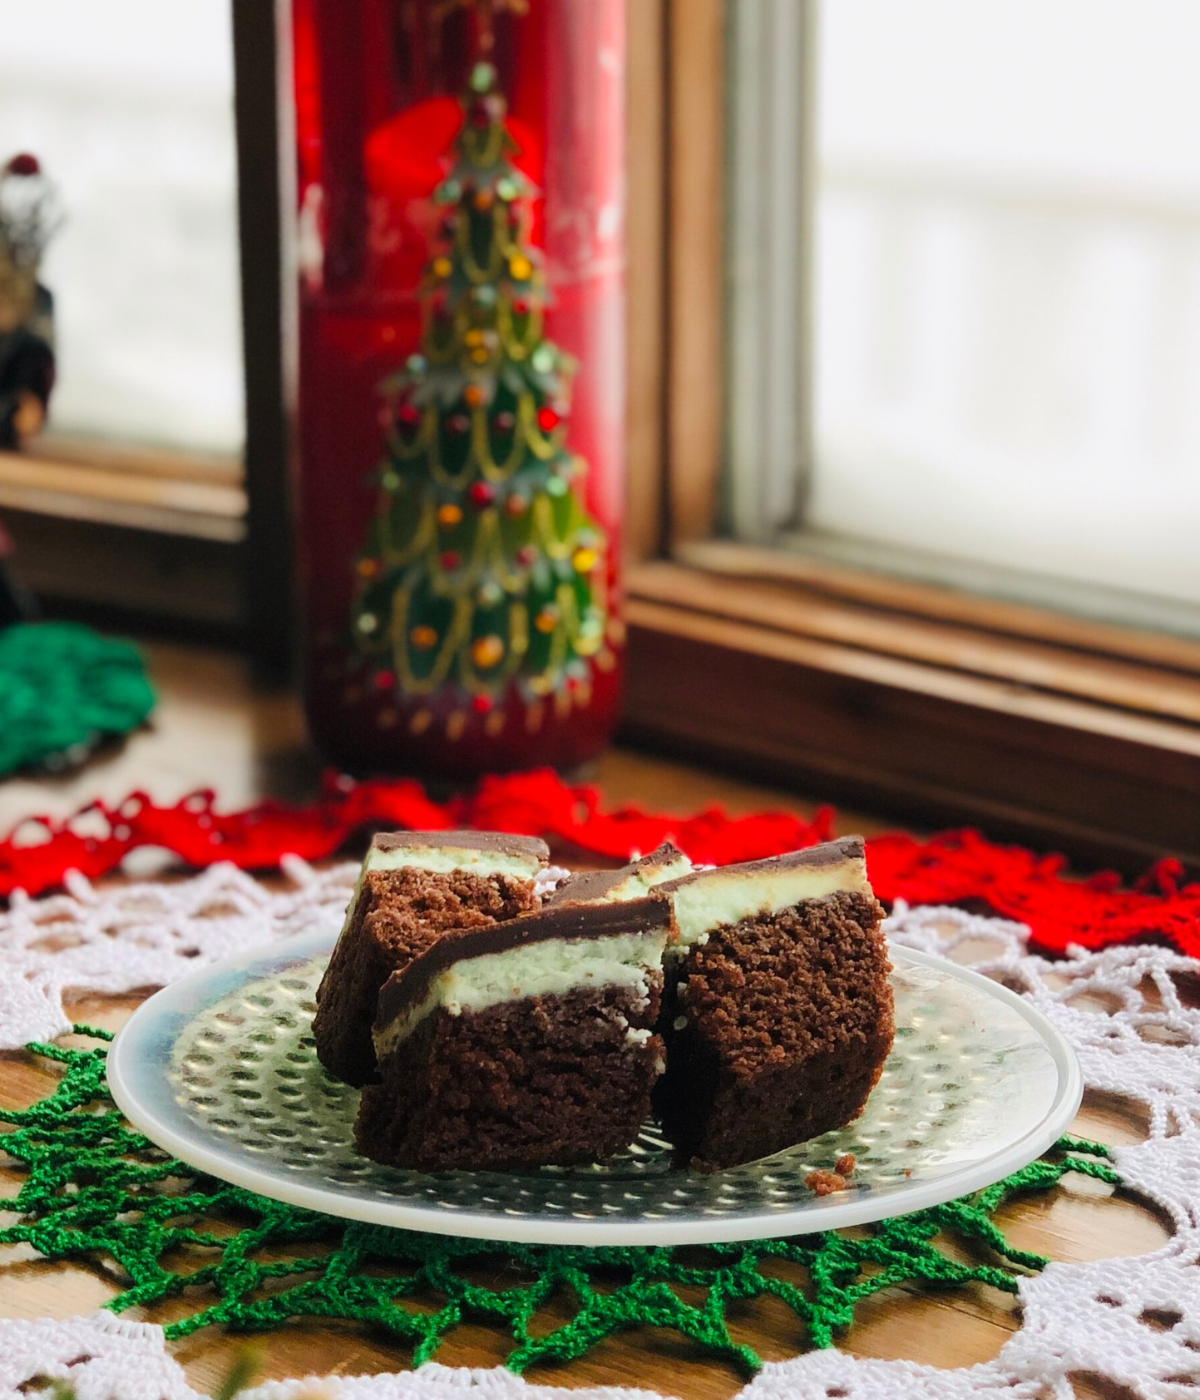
column 778, row 1012
column 520, row 1045
column 665, row 862
column 414, row 886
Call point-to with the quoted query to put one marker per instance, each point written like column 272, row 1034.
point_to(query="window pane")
column 1007, row 284
column 128, row 103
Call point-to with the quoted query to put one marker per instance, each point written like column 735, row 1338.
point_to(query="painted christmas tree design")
column 483, row 578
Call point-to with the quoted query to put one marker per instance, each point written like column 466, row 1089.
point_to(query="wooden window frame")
column 174, row 537
column 928, row 704
column 128, row 534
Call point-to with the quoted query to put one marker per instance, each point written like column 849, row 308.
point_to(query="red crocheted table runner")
column 952, row 867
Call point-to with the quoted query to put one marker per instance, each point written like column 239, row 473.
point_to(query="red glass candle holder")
column 460, row 416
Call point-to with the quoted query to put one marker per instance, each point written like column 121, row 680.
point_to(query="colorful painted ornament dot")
column 542, row 359
column 420, row 722
column 480, row 355
column 457, row 423
column 416, row 364
column 516, row 505
column 584, row 560
column 521, row 307
column 527, row 555
column 547, row 419
column 367, row 568
column 481, row 494
column 408, row 415
column 450, row 559
column 546, row 620
column 368, row 622
column 504, row 422
column 520, row 267
column 383, row 680
column 473, row 337
column 449, row 515
column 390, row 481
column 473, row 396
column 423, row 637
column 442, row 267
column 487, row 651
column 482, row 704
column 556, row 486
column 484, row 200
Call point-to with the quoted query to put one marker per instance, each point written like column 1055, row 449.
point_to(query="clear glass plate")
column 220, row 1070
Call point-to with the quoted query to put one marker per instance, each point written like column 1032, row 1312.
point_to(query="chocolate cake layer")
column 777, row 1029
column 517, row 1085
column 412, row 888
column 551, row 952
column 665, row 862
column 708, row 899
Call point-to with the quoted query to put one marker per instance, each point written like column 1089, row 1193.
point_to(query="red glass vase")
column 461, row 414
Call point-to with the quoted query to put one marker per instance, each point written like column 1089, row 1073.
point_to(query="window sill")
column 928, row 704
column 154, row 534
column 175, row 494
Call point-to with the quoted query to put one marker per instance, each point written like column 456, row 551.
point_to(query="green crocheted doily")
column 96, row 1188
column 63, row 688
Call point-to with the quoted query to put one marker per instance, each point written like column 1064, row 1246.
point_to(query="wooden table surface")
column 212, row 728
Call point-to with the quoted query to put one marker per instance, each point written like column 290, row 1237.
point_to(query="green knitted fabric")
column 63, row 688
column 94, row 1189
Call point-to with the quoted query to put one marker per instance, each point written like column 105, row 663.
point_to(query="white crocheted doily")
column 1134, row 1322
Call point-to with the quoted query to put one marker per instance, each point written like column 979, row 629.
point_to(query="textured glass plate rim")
column 147, row 1102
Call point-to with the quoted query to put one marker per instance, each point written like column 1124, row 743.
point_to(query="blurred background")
column 894, row 319
column 132, row 113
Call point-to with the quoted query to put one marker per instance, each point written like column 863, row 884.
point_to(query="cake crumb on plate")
column 823, row 1183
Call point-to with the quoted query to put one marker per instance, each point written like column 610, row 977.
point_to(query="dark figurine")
column 26, row 360
column 28, row 218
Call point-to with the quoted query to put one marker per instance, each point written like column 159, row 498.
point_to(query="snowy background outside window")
column 1007, row 284
column 128, row 104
